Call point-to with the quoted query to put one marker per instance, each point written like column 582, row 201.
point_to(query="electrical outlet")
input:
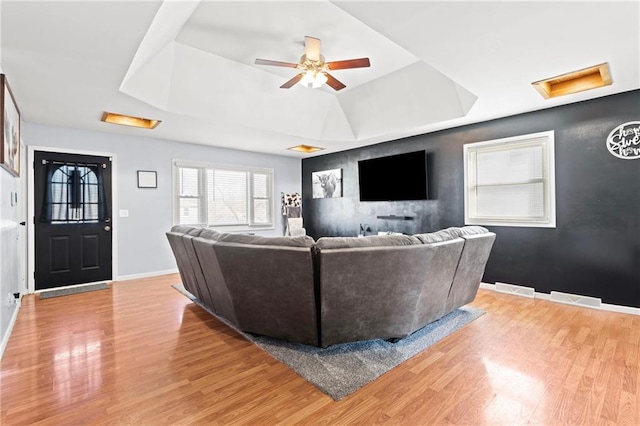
column 14, row 299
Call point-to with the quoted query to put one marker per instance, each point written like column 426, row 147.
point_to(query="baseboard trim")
column 146, row 275
column 621, row 309
column 7, row 335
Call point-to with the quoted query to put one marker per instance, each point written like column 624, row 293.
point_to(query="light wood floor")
column 141, row 353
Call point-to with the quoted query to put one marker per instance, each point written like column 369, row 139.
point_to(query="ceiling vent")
column 574, row 82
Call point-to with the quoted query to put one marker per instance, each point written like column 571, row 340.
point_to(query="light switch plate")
column 124, row 213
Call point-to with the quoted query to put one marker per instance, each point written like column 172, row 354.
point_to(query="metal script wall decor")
column 624, row 141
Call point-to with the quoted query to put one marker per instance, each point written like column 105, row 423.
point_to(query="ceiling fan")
column 314, row 70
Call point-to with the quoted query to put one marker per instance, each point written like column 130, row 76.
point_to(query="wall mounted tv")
column 394, row 178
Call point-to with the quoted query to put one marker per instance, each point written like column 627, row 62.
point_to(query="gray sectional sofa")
column 335, row 290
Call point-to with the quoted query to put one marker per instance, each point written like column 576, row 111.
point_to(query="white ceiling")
column 434, row 65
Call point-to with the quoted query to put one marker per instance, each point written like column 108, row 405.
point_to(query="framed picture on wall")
column 10, row 123
column 147, row 179
column 327, row 183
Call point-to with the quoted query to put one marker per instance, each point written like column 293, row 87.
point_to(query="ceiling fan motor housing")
column 310, row 65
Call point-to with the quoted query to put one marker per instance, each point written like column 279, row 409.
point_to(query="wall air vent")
column 575, row 299
column 516, row 290
column 574, row 82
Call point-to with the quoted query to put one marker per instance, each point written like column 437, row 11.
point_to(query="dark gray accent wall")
column 594, row 249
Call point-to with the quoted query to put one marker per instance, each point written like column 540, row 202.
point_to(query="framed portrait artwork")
column 10, row 134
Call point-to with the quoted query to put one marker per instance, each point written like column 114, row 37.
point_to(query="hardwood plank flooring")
column 141, row 353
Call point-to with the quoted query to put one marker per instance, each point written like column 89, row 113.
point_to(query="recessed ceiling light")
column 574, row 82
column 305, row 148
column 127, row 120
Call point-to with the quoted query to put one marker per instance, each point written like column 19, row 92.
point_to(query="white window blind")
column 188, row 196
column 261, row 198
column 223, row 196
column 510, row 182
column 227, row 197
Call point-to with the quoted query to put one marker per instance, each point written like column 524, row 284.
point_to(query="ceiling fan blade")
column 312, row 48
column 334, row 83
column 289, row 84
column 275, row 63
column 349, row 63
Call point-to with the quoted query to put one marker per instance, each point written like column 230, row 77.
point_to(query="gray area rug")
column 72, row 290
column 342, row 369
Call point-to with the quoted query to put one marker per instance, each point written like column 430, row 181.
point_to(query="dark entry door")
column 72, row 219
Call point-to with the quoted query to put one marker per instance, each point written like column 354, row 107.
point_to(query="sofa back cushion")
column 437, row 237
column 210, row 234
column 214, row 279
column 184, row 263
column 439, row 272
column 204, row 295
column 478, row 242
column 372, row 241
column 187, row 229
column 369, row 292
column 468, row 230
column 302, row 241
column 271, row 287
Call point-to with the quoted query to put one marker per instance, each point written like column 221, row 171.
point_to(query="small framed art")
column 10, row 134
column 147, row 179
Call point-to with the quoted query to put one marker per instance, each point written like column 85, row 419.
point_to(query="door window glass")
column 73, row 194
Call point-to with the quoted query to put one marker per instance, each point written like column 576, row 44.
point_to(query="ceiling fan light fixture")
column 313, row 79
column 314, row 71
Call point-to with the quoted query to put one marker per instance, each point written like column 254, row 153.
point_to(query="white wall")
column 9, row 259
column 9, row 250
column 142, row 247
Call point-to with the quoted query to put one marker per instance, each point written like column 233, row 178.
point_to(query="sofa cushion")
column 469, row 230
column 436, row 237
column 187, row 229
column 304, row 241
column 372, row 241
column 210, row 234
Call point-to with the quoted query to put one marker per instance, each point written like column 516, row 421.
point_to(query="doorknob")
column 107, row 228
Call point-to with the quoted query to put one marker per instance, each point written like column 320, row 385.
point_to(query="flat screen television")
column 394, row 178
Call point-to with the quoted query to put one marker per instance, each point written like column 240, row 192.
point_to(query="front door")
column 72, row 219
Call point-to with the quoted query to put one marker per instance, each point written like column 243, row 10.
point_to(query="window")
column 511, row 182
column 221, row 196
column 74, row 193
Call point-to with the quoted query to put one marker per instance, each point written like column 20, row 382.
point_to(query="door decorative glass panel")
column 74, row 193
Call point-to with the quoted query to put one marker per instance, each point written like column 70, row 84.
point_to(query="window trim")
column 548, row 168
column 251, row 225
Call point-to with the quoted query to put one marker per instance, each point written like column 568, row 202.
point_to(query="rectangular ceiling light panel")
column 574, row 82
column 305, row 148
column 127, row 120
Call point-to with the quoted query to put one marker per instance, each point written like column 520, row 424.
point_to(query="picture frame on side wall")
column 10, row 135
column 147, row 179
